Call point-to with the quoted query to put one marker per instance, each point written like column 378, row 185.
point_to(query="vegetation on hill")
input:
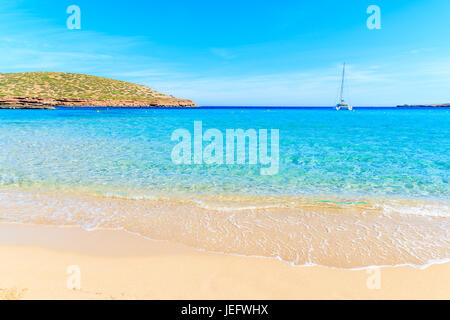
column 73, row 86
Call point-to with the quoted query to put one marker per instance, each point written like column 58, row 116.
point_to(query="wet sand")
column 296, row 230
column 120, row 265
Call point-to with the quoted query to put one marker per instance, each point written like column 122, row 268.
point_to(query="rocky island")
column 46, row 90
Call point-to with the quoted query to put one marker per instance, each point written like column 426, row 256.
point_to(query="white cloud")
column 223, row 53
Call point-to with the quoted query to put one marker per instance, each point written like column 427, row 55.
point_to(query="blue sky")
column 255, row 53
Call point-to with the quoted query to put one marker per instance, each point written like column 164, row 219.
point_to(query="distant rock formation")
column 46, row 90
column 50, row 103
column 424, row 105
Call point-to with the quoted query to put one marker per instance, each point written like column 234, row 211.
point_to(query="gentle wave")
column 431, row 210
column 298, row 232
column 401, row 206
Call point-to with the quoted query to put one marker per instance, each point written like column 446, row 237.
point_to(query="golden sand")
column 119, row 265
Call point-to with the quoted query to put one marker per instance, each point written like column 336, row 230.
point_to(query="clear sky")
column 241, row 52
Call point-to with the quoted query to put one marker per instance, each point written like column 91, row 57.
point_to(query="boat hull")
column 344, row 107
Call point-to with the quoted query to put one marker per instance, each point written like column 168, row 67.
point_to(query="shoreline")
column 297, row 232
column 170, row 243
column 119, row 265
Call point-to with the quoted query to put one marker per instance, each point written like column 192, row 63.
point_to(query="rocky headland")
column 47, row 90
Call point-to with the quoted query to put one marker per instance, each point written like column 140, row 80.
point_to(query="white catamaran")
column 342, row 105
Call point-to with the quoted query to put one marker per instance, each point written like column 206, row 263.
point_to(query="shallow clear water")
column 354, row 189
column 382, row 152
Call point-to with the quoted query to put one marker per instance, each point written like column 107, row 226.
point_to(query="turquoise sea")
column 388, row 160
column 388, row 152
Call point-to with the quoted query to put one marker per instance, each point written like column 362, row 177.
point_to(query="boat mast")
column 342, row 83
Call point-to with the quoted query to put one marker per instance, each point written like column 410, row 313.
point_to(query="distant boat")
column 342, row 105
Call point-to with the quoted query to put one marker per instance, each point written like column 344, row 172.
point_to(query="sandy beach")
column 120, row 265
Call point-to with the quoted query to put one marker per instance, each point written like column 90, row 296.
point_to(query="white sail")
column 342, row 105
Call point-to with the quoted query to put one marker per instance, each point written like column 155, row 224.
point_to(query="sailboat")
column 342, row 105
